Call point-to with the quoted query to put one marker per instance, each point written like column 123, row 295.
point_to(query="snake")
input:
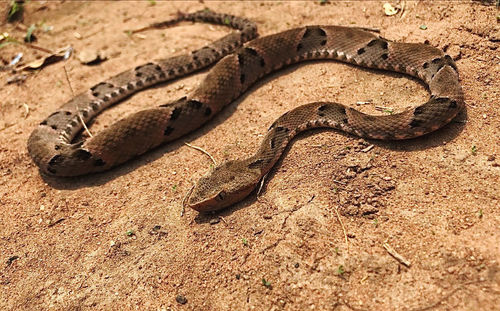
column 240, row 59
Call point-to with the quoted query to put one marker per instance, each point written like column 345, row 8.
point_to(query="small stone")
column 461, row 156
column 91, row 57
column 214, row 221
column 181, row 299
column 491, row 158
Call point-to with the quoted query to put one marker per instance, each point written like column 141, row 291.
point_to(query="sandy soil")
column 117, row 240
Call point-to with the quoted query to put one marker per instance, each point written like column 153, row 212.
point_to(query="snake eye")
column 221, row 195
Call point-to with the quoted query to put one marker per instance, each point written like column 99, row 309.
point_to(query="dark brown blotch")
column 57, row 159
column 441, row 100
column 168, row 130
column 251, row 51
column 418, row 110
column 361, row 51
column 384, row 56
column 453, row 104
column 99, row 162
column 273, row 142
column 415, row 123
column 176, row 113
column 282, row 129
column 53, row 114
column 194, row 104
column 241, row 59
column 255, row 164
column 82, row 154
column 208, row 111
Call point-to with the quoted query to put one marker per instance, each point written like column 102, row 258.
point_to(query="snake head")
column 225, row 185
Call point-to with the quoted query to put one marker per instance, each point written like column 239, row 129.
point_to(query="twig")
column 365, row 102
column 367, row 148
column 339, row 182
column 224, row 221
column 188, row 193
column 261, row 184
column 38, row 48
column 343, row 228
column 67, row 79
column 403, row 5
column 202, row 150
column 73, row 94
column 383, row 108
column 27, row 109
column 396, row 255
column 51, row 224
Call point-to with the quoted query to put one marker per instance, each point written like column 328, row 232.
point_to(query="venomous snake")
column 241, row 64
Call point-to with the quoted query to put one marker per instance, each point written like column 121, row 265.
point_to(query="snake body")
column 51, row 148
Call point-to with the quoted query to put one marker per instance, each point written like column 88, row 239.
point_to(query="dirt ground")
column 117, row 240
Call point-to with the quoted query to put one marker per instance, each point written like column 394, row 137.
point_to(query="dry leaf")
column 59, row 55
column 389, row 9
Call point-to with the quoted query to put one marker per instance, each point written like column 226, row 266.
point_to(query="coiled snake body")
column 50, row 145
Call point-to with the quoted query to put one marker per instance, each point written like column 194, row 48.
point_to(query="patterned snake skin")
column 51, row 147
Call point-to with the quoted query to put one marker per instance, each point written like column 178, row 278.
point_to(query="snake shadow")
column 434, row 139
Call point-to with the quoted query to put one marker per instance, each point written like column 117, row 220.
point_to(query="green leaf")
column 340, row 270
column 29, row 33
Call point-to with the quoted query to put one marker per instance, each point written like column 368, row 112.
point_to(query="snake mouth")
column 216, row 201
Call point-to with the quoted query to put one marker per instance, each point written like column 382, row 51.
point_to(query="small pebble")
column 181, row 299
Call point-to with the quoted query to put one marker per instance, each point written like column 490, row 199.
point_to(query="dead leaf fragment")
column 91, row 57
column 389, row 9
column 59, row 55
column 17, row 79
